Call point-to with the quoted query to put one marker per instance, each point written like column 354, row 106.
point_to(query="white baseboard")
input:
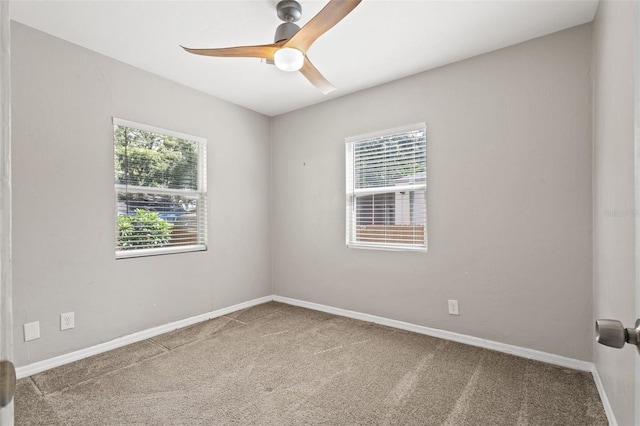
column 448, row 335
column 40, row 366
column 608, row 410
column 37, row 367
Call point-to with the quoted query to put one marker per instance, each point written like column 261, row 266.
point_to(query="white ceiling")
column 378, row 42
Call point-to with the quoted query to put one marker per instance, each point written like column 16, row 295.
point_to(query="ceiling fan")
column 291, row 43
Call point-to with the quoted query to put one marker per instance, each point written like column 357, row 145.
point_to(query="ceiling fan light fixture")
column 291, row 43
column 288, row 59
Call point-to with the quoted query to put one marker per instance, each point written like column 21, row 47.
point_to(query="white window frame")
column 201, row 193
column 352, row 193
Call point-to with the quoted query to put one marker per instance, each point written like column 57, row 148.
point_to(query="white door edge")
column 636, row 49
column 637, row 190
column 6, row 320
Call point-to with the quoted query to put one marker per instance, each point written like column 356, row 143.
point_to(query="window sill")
column 126, row 254
column 387, row 247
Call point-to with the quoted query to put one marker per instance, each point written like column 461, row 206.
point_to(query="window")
column 161, row 194
column 386, row 190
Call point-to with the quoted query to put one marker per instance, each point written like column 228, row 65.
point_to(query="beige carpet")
column 276, row 364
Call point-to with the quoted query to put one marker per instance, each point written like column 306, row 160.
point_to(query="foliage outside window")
column 386, row 190
column 160, row 185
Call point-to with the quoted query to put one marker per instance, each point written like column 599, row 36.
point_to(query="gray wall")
column 63, row 231
column 614, row 208
column 509, row 199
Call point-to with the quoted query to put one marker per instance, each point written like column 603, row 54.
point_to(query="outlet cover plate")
column 32, row 331
column 67, row 321
column 453, row 307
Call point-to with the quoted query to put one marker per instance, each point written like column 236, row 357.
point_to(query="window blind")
column 386, row 190
column 160, row 185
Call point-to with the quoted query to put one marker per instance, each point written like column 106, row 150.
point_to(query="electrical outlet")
column 32, row 331
column 453, row 307
column 67, row 321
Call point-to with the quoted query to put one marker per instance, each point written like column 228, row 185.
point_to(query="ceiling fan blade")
column 313, row 75
column 265, row 51
column 330, row 15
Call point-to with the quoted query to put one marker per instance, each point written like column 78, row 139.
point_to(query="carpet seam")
column 158, row 345
column 108, row 373
column 236, row 320
column 36, row 385
column 201, row 339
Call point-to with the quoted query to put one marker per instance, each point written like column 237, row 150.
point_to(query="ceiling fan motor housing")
column 285, row 31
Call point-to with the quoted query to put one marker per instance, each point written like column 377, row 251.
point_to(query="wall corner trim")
column 40, row 366
column 603, row 396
